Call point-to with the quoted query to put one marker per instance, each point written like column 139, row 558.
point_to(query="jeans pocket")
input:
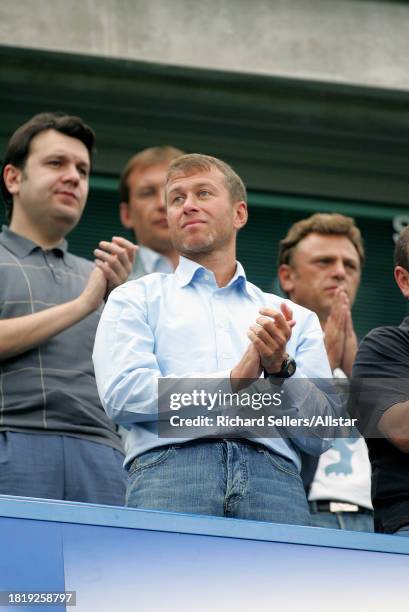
column 281, row 463
column 149, row 459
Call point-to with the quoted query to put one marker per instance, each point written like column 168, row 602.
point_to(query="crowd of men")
column 75, row 430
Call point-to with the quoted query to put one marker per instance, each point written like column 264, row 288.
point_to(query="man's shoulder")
column 299, row 312
column 383, row 349
column 388, row 334
column 306, row 320
column 149, row 285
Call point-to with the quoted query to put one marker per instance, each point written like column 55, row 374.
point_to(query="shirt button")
column 51, row 265
column 226, row 356
column 207, row 277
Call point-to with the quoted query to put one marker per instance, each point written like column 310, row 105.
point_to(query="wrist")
column 287, row 369
column 274, row 368
column 83, row 305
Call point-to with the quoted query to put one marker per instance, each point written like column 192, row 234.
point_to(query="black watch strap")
column 288, row 368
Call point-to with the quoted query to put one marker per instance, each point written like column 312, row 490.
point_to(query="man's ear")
column 285, row 275
column 402, row 279
column 12, row 178
column 241, row 214
column 124, row 215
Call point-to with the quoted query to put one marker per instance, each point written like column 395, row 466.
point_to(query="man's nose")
column 71, row 174
column 161, row 200
column 190, row 203
column 339, row 269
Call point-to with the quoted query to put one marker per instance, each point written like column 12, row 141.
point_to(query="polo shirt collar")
column 21, row 247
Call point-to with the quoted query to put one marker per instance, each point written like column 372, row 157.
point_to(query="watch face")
column 289, row 367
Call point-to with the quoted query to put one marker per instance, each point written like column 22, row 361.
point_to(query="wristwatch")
column 288, row 368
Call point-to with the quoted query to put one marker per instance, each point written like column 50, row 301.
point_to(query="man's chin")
column 66, row 219
column 192, row 248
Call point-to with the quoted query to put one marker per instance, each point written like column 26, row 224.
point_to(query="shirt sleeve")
column 311, row 393
column 380, row 377
column 126, row 368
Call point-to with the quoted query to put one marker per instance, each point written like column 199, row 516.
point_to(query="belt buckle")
column 342, row 507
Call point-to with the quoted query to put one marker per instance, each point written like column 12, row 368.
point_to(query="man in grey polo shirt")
column 55, row 440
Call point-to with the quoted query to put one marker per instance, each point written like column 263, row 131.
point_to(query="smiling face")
column 145, row 213
column 202, row 218
column 319, row 265
column 50, row 192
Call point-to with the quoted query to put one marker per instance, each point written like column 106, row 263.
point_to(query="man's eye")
column 204, row 193
column 54, row 162
column 177, row 200
column 147, row 193
column 83, row 171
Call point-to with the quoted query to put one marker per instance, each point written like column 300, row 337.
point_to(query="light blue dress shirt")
column 148, row 261
column 184, row 325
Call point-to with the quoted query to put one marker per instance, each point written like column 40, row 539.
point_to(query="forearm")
column 143, row 394
column 394, row 424
column 20, row 334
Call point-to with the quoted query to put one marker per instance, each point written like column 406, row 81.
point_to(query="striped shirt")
column 50, row 388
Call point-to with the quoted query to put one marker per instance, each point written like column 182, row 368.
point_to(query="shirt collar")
column 21, row 247
column 189, row 270
column 150, row 258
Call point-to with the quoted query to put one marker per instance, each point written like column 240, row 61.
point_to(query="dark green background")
column 379, row 301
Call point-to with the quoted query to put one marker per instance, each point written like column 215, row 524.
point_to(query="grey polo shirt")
column 51, row 388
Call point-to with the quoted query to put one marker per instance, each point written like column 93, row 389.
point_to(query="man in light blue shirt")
column 142, row 209
column 208, row 321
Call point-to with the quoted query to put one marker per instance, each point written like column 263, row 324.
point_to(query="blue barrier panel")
column 119, row 559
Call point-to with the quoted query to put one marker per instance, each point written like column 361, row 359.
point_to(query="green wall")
column 379, row 301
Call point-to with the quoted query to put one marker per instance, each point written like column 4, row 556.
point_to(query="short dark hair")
column 18, row 148
column 193, row 162
column 320, row 223
column 148, row 157
column 401, row 255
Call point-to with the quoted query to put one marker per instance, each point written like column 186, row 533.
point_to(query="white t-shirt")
column 344, row 471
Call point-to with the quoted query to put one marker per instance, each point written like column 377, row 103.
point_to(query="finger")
column 113, row 269
column 278, row 316
column 337, row 313
column 258, row 343
column 113, row 248
column 273, row 338
column 111, row 277
column 286, row 310
column 126, row 244
column 268, row 346
column 268, row 352
column 117, row 257
column 349, row 326
column 130, row 247
column 276, row 321
column 108, row 257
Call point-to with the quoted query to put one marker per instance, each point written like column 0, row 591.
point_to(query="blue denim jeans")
column 229, row 478
column 350, row 521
